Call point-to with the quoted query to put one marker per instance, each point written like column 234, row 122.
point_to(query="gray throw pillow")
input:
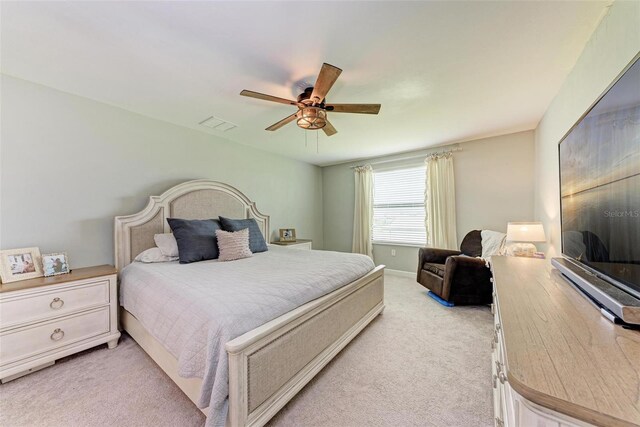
column 256, row 239
column 196, row 238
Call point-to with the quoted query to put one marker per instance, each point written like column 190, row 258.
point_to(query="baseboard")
column 400, row 273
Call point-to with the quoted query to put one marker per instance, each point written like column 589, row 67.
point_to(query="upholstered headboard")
column 199, row 199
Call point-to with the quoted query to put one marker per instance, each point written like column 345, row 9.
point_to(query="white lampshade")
column 525, row 232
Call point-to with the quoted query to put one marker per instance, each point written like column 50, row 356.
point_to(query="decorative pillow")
column 167, row 244
column 256, row 239
column 196, row 238
column 233, row 244
column 154, row 255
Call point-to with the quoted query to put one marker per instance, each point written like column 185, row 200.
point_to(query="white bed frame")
column 270, row 364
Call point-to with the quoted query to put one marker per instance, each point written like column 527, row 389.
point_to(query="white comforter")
column 194, row 309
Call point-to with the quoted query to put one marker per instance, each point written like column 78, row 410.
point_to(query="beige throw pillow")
column 233, row 244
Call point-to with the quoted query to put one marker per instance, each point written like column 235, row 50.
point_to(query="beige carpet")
column 419, row 364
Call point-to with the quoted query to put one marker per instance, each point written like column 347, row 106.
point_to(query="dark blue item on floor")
column 440, row 300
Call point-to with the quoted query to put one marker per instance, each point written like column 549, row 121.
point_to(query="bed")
column 268, row 364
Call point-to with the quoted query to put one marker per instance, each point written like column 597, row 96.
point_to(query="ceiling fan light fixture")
column 312, row 107
column 312, row 118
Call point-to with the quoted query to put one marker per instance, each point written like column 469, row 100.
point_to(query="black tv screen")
column 600, row 185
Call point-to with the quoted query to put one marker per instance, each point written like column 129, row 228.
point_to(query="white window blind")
column 398, row 206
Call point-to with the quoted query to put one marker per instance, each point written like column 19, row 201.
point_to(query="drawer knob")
column 57, row 335
column 56, row 304
column 502, row 377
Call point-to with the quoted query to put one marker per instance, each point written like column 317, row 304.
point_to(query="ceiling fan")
column 312, row 108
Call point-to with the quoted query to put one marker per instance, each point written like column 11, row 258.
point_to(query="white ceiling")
column 443, row 71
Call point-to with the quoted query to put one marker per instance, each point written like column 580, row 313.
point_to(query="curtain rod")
column 417, row 156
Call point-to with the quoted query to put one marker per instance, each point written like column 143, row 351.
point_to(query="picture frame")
column 287, row 234
column 20, row 264
column 55, row 264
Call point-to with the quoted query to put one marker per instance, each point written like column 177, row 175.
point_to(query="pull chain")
column 306, row 141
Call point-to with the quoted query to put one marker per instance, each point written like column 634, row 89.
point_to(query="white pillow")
column 167, row 244
column 492, row 243
column 154, row 255
column 233, row 244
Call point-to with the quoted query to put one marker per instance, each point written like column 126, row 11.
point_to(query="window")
column 398, row 207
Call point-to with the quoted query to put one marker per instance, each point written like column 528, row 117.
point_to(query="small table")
column 44, row 319
column 298, row 244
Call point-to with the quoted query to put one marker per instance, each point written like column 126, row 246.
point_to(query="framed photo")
column 287, row 234
column 20, row 264
column 54, row 264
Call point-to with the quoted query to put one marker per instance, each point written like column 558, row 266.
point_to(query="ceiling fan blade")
column 354, row 108
column 329, row 129
column 327, row 77
column 264, row 97
column 282, row 122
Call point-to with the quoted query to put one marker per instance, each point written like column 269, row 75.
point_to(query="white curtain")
column 363, row 211
column 440, row 202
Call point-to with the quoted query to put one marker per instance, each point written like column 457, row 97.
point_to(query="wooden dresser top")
column 560, row 352
column 75, row 274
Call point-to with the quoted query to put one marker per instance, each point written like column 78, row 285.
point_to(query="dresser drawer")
column 29, row 341
column 31, row 306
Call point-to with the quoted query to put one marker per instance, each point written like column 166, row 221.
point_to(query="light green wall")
column 494, row 185
column 612, row 46
column 69, row 165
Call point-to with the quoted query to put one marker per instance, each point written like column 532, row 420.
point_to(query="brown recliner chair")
column 454, row 277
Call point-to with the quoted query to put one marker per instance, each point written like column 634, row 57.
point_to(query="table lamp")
column 523, row 234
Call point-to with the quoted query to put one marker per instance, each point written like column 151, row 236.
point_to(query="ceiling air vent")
column 218, row 124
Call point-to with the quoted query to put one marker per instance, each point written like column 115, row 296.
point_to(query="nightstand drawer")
column 21, row 343
column 31, row 306
column 301, row 245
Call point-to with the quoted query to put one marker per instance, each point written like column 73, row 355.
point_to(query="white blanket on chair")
column 493, row 243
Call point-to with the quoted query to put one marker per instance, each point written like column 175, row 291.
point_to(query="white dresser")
column 47, row 318
column 509, row 407
column 556, row 361
column 298, row 244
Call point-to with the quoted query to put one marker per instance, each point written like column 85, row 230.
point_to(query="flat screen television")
column 600, row 186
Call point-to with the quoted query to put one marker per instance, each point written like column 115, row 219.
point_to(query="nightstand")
column 47, row 318
column 298, row 244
